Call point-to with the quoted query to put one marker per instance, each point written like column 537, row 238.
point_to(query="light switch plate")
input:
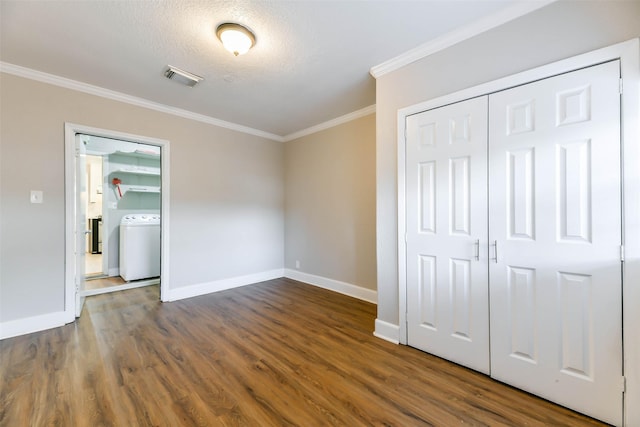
column 36, row 196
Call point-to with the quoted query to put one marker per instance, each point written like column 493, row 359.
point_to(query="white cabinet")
column 513, row 221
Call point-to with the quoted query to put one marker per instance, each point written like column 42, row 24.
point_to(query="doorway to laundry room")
column 123, row 222
column 116, row 222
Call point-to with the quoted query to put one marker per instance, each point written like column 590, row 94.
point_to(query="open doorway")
column 95, row 268
column 122, row 207
column 117, row 192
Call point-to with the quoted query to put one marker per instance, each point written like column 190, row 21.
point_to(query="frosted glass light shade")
column 235, row 38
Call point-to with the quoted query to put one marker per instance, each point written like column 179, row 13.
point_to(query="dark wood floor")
column 279, row 353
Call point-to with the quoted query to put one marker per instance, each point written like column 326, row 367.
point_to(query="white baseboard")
column 190, row 291
column 28, row 325
column 47, row 321
column 334, row 285
column 387, row 331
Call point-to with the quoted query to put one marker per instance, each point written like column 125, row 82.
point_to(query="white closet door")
column 555, row 213
column 446, row 193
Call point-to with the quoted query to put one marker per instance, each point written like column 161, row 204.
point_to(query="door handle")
column 495, row 250
column 477, row 245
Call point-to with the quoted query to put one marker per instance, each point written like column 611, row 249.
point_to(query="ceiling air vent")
column 181, row 76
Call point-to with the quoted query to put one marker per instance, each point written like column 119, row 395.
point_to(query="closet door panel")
column 446, row 213
column 555, row 233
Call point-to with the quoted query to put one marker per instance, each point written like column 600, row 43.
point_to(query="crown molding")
column 449, row 39
column 331, row 123
column 52, row 79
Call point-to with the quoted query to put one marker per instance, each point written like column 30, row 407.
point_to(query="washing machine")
column 139, row 246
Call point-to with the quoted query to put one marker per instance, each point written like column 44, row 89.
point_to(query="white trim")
column 190, row 291
column 70, row 259
column 331, row 123
column 344, row 288
column 630, row 67
column 629, row 54
column 165, row 219
column 69, row 214
column 402, row 226
column 387, row 331
column 123, row 287
column 52, row 79
column 28, row 325
column 449, row 39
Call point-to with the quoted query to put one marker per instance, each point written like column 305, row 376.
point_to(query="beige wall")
column 557, row 31
column 227, row 193
column 330, row 203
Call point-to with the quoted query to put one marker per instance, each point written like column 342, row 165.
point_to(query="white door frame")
column 70, row 131
column 629, row 55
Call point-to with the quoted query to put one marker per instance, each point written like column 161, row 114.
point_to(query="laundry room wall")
column 226, row 201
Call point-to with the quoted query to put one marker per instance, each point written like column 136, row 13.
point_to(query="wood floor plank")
column 278, row 353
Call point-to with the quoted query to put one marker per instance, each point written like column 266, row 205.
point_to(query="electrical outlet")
column 298, row 264
column 36, row 196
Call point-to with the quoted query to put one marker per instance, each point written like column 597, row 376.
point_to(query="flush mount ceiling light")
column 235, row 38
column 181, row 76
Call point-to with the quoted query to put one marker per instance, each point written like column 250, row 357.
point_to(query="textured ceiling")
column 310, row 64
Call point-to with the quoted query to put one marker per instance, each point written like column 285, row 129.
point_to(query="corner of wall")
column 198, row 289
column 387, row 331
column 344, row 288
